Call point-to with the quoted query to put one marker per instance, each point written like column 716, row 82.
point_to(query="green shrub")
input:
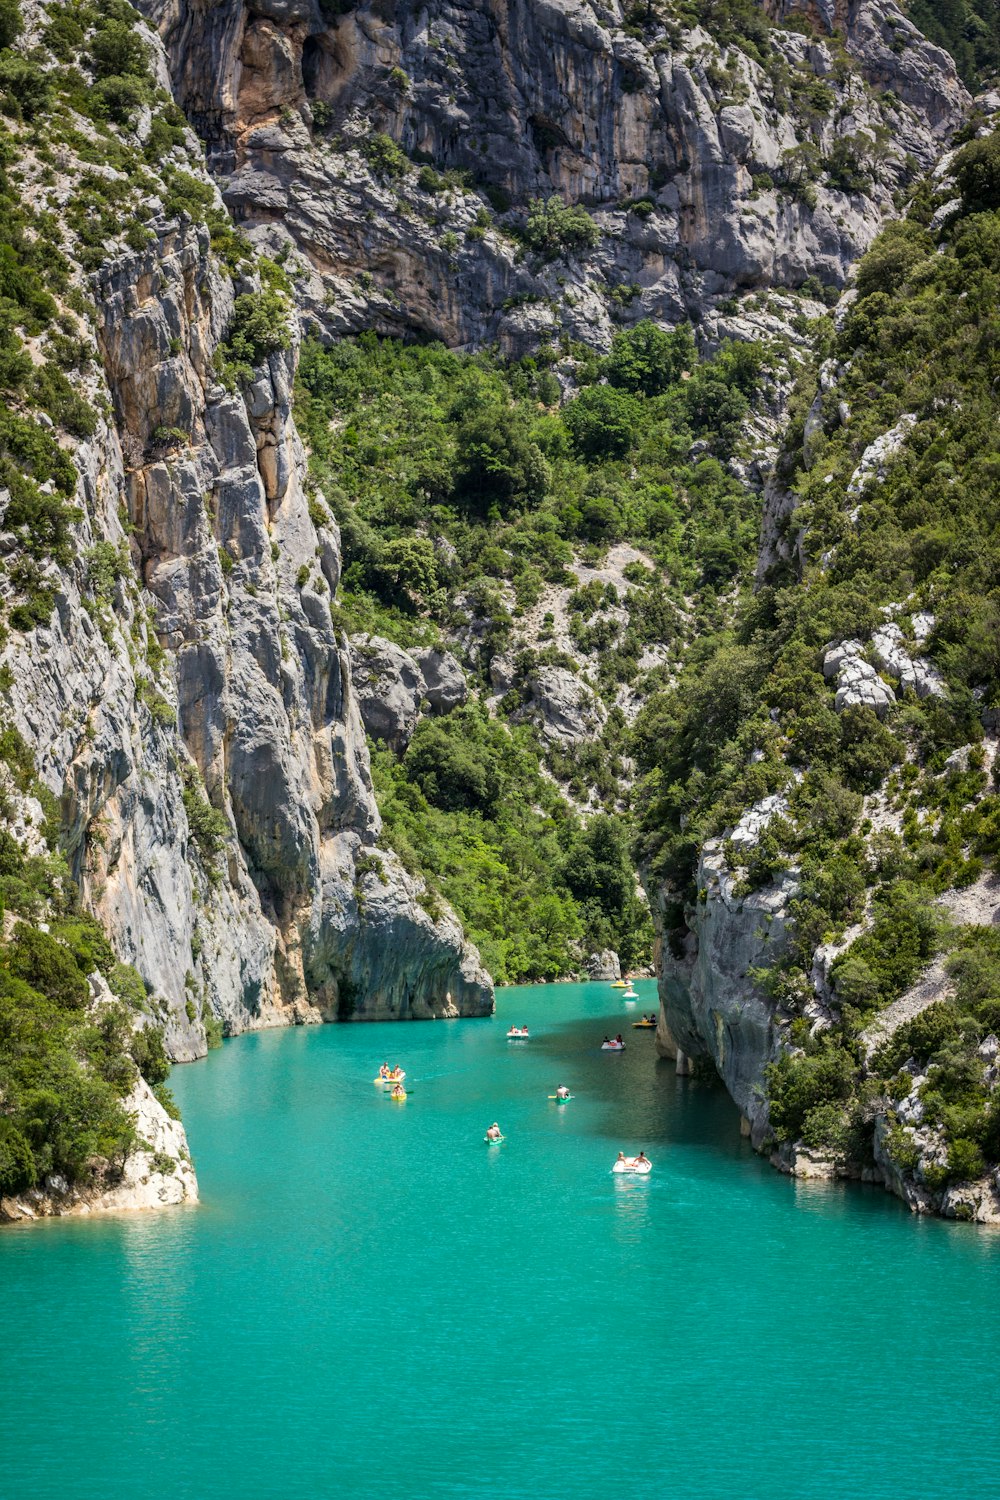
column 258, row 328
column 977, row 173
column 384, row 157
column 11, row 24
column 800, row 1084
column 555, row 228
column 965, row 1161
column 602, row 421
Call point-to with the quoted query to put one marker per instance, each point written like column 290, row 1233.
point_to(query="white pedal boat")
column 633, row 1167
column 514, row 1035
column 612, row 1046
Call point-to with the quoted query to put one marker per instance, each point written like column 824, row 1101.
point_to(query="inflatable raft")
column 632, row 1167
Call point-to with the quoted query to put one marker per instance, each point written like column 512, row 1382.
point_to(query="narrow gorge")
column 487, row 491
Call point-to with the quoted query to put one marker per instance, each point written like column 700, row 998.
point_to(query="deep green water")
column 371, row 1300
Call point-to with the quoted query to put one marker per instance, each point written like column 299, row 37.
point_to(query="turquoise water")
column 369, row 1298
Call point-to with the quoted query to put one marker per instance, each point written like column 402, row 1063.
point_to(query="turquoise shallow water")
column 369, row 1298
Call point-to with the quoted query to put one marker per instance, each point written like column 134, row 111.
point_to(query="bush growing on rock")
column 650, row 360
column 799, row 1085
column 257, row 329
column 556, row 228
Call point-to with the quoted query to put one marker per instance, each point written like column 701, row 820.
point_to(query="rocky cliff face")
column 709, row 1003
column 714, row 165
column 189, row 701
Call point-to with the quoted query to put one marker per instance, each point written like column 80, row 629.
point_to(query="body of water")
column 369, row 1298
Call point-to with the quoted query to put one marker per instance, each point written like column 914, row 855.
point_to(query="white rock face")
column 230, row 579
column 875, row 460
column 445, row 686
column 857, row 680
column 392, row 685
column 553, row 98
column 754, row 822
column 565, row 708
column 890, row 652
column 157, row 1175
column 604, row 965
column 389, row 686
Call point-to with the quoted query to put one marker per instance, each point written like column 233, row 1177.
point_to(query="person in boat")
column 606, row 1042
column 641, row 1159
column 618, row 1039
column 493, row 1134
column 621, row 1156
column 562, row 1092
column 398, row 1091
column 383, row 1071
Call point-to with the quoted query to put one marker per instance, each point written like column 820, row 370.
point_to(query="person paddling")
column 562, row 1092
column 493, row 1134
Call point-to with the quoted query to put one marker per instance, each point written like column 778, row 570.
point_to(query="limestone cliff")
column 715, row 165
column 188, row 699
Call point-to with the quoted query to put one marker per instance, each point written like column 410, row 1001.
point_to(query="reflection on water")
column 631, row 1208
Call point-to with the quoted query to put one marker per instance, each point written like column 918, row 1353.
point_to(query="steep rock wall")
column 199, row 726
column 534, row 99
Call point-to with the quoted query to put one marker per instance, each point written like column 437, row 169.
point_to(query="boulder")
column 445, row 686
column 565, row 708
column 604, row 965
column 389, row 686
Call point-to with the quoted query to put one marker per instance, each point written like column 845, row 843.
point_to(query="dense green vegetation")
column 753, row 711
column 468, row 808
column 454, row 477
column 968, row 29
column 65, row 1064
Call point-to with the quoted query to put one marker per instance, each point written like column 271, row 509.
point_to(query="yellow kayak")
column 619, row 984
column 400, row 1096
column 643, row 1025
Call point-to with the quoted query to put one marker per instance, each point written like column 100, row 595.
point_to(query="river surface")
column 371, row 1300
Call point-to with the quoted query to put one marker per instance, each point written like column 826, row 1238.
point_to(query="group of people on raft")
column 617, row 1041
column 394, row 1076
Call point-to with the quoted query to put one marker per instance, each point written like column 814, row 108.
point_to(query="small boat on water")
column 398, row 1094
column 612, row 1046
column 388, row 1079
column 494, row 1140
column 644, row 1025
column 518, row 1034
column 633, row 1166
column 631, row 994
column 619, row 984
column 561, row 1098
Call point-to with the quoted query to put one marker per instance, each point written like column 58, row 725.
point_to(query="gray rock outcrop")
column 604, row 965
column 710, row 1004
column 564, row 707
column 389, row 687
column 445, row 686
column 858, row 683
column 392, row 686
